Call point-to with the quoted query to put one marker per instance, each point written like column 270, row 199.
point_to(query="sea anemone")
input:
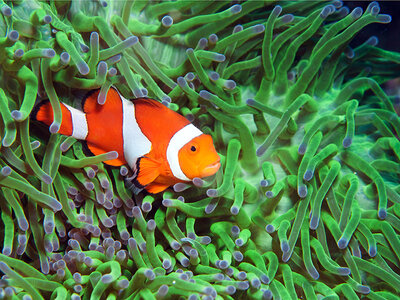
column 306, row 204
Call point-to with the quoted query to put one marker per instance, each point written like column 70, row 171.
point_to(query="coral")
column 306, row 204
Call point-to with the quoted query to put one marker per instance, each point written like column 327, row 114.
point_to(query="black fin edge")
column 146, row 192
column 91, row 92
column 36, row 109
column 86, row 149
column 138, row 186
column 134, row 180
column 86, row 96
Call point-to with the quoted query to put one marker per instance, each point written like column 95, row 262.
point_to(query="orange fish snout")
column 198, row 158
column 211, row 169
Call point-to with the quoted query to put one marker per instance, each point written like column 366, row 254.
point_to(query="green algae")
column 306, row 204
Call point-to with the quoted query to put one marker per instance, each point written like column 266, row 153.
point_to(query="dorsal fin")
column 90, row 104
column 150, row 102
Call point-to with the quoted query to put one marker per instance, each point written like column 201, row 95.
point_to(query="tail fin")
column 43, row 112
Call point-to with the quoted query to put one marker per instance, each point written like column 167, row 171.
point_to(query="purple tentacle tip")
column 167, row 21
column 212, row 193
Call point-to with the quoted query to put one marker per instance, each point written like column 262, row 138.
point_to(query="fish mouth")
column 211, row 169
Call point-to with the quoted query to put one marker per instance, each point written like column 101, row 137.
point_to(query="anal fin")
column 155, row 188
column 112, row 162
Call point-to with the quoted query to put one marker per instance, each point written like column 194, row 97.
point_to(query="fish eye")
column 193, row 148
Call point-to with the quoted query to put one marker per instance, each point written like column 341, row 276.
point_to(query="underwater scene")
column 267, row 165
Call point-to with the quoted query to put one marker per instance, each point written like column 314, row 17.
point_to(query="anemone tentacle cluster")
column 307, row 201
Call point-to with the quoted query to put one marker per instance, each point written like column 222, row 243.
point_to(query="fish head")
column 198, row 157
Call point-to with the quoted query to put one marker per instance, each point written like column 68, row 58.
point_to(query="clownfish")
column 160, row 146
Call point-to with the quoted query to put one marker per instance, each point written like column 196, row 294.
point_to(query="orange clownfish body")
column 160, row 146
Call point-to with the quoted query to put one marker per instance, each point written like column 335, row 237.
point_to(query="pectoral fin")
column 147, row 171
